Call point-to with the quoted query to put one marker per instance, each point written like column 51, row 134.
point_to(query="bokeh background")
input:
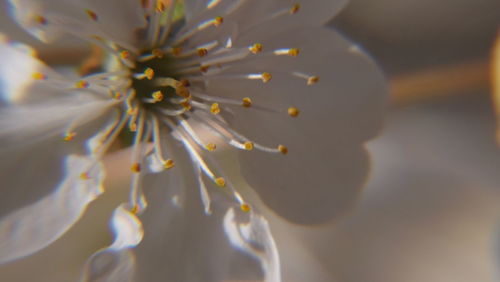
column 431, row 209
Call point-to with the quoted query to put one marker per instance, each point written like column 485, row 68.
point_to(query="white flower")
column 264, row 77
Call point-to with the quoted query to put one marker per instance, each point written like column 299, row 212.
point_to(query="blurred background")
column 431, row 209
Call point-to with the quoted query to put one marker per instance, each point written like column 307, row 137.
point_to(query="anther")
column 283, row 149
column 168, row 164
column 293, row 111
column 312, row 80
column 134, row 209
column 160, row 6
column 293, row 52
column 186, row 105
column 39, row 76
column 41, row 20
column 69, row 136
column 92, row 15
column 136, row 168
column 82, row 84
column 215, row 109
column 246, row 102
column 202, row 52
column 220, row 181
column 124, row 54
column 176, row 51
column 157, row 96
column 204, row 68
column 149, row 73
column 211, row 147
column 266, row 77
column 218, row 21
column 256, row 48
column 245, row 207
column 118, row 95
column 84, row 176
column 157, row 53
column 295, row 8
column 248, row 146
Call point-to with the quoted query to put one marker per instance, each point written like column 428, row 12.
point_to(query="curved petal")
column 116, row 262
column 326, row 166
column 34, row 227
column 116, row 20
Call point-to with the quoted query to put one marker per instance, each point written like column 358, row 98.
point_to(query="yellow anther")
column 176, row 51
column 118, row 95
column 248, row 146
column 184, row 82
column 256, row 48
column 312, row 80
column 246, row 102
column 157, row 96
column 204, row 68
column 220, row 181
column 92, row 15
column 187, row 106
column 158, row 53
column 124, row 54
column 136, row 168
column 293, row 112
column 245, row 207
column 160, row 6
column 266, row 77
column 283, row 149
column 134, row 209
column 215, row 109
column 294, row 52
column 168, row 164
column 149, row 73
column 295, row 8
column 84, row 176
column 218, row 21
column 132, row 126
column 69, row 136
column 202, row 52
column 211, row 147
column 82, row 84
column 39, row 76
column 41, row 20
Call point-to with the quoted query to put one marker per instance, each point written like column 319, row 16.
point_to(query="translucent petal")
column 116, row 262
column 116, row 20
column 326, row 166
column 34, row 227
column 255, row 238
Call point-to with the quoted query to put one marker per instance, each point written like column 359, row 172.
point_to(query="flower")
column 184, row 78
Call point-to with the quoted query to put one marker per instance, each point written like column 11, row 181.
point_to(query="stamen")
column 283, row 149
column 246, row 102
column 292, row 52
column 311, row 79
column 69, row 136
column 256, row 48
column 211, row 147
column 84, row 176
column 202, row 52
column 168, row 164
column 39, row 76
column 220, row 181
column 214, row 109
column 248, row 145
column 157, row 96
column 82, row 84
column 295, row 9
column 293, row 111
column 41, row 20
column 245, row 207
column 136, row 168
column 92, row 15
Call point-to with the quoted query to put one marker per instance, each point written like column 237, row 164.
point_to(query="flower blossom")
column 296, row 100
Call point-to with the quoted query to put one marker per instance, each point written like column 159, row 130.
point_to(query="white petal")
column 116, row 20
column 326, row 166
column 34, row 227
column 116, row 262
column 255, row 238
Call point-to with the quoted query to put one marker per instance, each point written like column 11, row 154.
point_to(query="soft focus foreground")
column 430, row 211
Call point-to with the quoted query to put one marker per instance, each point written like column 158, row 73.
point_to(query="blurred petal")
column 117, row 262
column 34, row 227
column 255, row 238
column 326, row 166
column 116, row 20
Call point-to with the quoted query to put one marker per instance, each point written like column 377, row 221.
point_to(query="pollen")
column 283, row 149
column 84, row 176
column 157, row 96
column 82, row 84
column 295, row 9
column 211, row 147
column 69, row 136
column 168, row 164
column 293, row 112
column 202, row 52
column 218, row 21
column 92, row 15
column 293, row 52
column 215, row 109
column 256, row 48
column 312, row 80
column 266, row 77
column 245, row 207
column 41, row 20
column 136, row 168
column 220, row 181
column 39, row 76
column 246, row 102
column 248, row 146
column 149, row 73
